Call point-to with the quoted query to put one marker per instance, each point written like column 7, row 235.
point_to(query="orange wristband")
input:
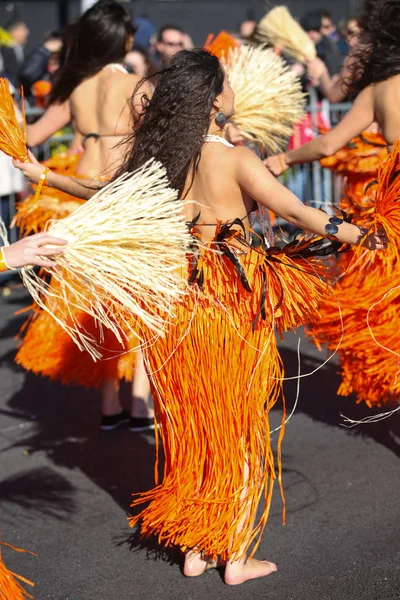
column 282, row 162
column 42, row 181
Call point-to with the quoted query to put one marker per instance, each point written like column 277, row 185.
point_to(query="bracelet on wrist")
column 4, row 266
column 282, row 161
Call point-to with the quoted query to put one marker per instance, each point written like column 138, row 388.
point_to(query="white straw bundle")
column 279, row 29
column 268, row 96
column 126, row 248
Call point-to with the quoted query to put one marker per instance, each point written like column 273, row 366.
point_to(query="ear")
column 218, row 103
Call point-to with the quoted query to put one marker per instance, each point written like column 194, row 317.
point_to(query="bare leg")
column 240, row 570
column 110, row 404
column 142, row 404
column 196, row 564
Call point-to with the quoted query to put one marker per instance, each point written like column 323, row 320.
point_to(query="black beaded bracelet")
column 333, row 226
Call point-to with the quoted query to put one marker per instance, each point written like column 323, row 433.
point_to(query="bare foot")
column 196, row 564
column 240, row 571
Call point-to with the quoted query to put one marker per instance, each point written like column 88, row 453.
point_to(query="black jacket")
column 34, row 68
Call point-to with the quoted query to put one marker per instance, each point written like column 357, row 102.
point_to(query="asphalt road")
column 65, row 490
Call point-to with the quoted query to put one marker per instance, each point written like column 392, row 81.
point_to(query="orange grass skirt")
column 48, row 350
column 369, row 371
column 32, row 215
column 215, row 376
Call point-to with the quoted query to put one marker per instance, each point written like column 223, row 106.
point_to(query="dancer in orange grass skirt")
column 368, row 370
column 94, row 91
column 216, row 372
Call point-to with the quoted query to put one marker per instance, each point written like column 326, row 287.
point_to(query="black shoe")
column 110, row 422
column 137, row 424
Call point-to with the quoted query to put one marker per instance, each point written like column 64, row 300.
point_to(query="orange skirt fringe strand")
column 370, row 371
column 215, row 376
column 10, row 586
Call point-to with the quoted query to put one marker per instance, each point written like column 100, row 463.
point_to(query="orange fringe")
column 10, row 587
column 48, row 350
column 215, row 376
column 34, row 212
column 221, row 44
column 369, row 371
column 12, row 139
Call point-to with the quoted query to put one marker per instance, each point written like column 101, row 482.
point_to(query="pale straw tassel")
column 279, row 29
column 125, row 259
column 268, row 96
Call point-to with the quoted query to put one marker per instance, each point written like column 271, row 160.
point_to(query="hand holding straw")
column 125, row 259
column 12, row 139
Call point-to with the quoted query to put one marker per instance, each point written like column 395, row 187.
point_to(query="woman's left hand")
column 276, row 164
column 32, row 170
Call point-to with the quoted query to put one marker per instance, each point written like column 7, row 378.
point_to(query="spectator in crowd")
column 13, row 55
column 350, row 36
column 327, row 49
column 41, row 64
column 248, row 26
column 144, row 32
column 170, row 39
column 328, row 27
column 137, row 61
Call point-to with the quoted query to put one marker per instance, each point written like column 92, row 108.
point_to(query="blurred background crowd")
column 34, row 65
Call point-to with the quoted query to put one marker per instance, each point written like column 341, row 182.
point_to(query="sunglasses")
column 353, row 32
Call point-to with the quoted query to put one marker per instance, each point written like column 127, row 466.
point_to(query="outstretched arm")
column 55, row 118
column 260, row 185
column 80, row 188
column 359, row 117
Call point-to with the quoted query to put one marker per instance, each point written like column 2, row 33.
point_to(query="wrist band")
column 333, row 226
column 42, row 181
column 3, row 263
column 282, row 162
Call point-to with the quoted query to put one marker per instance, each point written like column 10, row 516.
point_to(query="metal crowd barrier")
column 311, row 183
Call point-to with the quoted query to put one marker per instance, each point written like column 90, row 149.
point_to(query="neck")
column 215, row 130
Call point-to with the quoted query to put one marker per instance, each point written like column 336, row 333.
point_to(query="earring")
column 220, row 119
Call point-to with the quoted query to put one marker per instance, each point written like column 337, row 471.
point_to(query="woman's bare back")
column 386, row 100
column 100, row 109
column 215, row 191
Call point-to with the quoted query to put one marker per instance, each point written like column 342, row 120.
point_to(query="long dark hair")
column 377, row 56
column 177, row 116
column 98, row 38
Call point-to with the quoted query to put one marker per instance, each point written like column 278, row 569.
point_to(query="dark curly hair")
column 98, row 38
column 377, row 57
column 177, row 116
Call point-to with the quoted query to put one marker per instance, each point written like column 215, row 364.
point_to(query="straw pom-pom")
column 12, row 139
column 126, row 257
column 268, row 96
column 279, row 29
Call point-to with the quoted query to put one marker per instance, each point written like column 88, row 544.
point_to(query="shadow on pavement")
column 66, row 428
column 318, row 400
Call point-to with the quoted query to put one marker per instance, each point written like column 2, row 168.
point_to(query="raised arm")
column 359, row 117
column 55, row 118
column 259, row 184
